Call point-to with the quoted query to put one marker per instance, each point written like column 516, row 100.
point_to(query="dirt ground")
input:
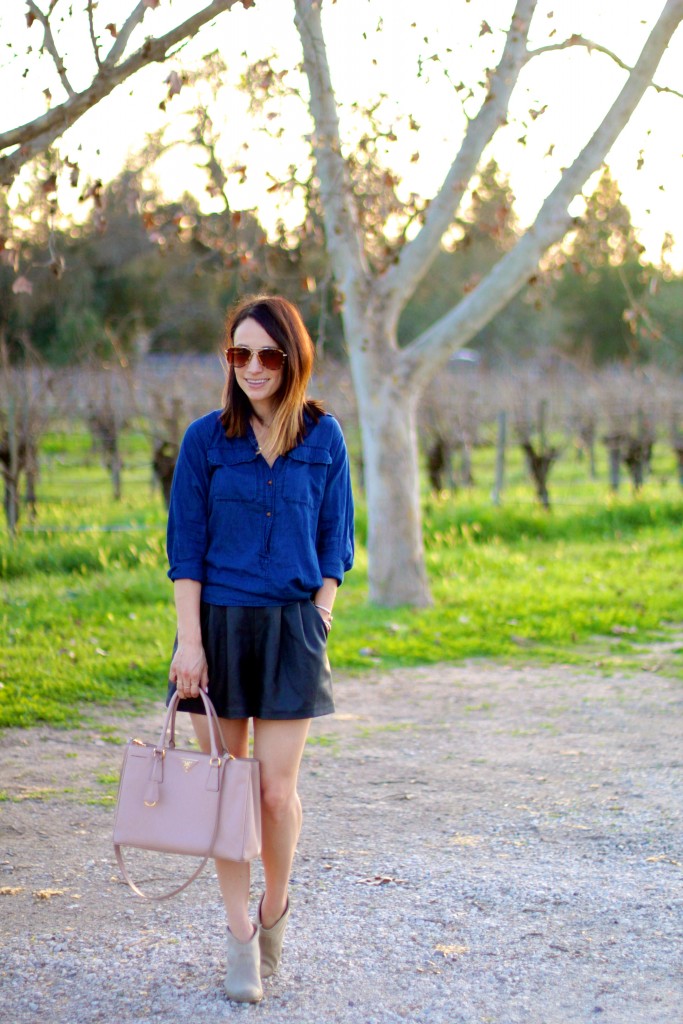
column 482, row 843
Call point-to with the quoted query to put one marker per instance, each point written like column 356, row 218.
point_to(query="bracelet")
column 322, row 608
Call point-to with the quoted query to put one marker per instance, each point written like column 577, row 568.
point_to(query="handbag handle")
column 215, row 734
column 214, row 731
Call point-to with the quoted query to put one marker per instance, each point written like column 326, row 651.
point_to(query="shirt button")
column 267, row 513
column 269, row 482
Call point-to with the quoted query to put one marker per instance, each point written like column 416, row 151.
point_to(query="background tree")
column 24, row 384
column 602, row 279
column 389, row 379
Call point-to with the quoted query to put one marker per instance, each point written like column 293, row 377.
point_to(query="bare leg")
column 279, row 746
column 233, row 878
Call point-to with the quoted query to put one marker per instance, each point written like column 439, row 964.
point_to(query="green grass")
column 531, row 596
column 87, row 615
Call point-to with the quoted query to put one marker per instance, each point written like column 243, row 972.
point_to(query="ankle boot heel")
column 243, row 975
column 270, row 942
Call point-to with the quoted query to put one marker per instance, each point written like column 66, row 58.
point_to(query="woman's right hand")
column 189, row 670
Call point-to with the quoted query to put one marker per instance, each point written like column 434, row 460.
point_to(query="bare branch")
column 642, row 311
column 590, row 45
column 124, row 34
column 416, row 258
column 341, row 217
column 205, row 137
column 420, row 360
column 50, row 45
column 38, row 134
column 93, row 38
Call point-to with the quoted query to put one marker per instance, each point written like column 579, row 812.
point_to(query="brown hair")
column 282, row 321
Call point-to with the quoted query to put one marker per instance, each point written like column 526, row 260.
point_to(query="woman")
column 260, row 533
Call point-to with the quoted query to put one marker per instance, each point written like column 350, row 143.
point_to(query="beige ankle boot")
column 270, row 942
column 243, row 978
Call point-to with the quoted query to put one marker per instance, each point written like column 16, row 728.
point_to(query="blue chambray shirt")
column 258, row 535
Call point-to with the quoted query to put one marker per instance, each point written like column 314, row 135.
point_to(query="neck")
column 263, row 413
column 262, row 421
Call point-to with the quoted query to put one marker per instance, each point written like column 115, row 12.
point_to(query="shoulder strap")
column 146, row 896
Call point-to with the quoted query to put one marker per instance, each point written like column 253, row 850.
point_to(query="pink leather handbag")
column 184, row 801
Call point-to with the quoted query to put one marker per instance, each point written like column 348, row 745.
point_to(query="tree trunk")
column 164, row 463
column 396, row 567
column 388, row 421
column 31, row 470
column 466, row 464
column 440, row 465
column 11, row 458
column 115, row 467
column 637, row 458
column 613, row 443
column 540, row 463
column 679, row 456
column 11, row 503
column 501, row 441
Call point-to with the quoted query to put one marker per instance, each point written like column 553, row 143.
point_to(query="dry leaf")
column 382, row 880
column 174, row 83
column 57, row 266
column 465, row 840
column 451, row 950
column 11, row 890
column 47, row 894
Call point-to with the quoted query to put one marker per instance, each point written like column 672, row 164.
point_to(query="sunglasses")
column 269, row 358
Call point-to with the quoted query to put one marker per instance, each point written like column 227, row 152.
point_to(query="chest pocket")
column 233, row 473
column 306, row 475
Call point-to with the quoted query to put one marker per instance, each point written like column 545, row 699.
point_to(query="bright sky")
column 378, row 46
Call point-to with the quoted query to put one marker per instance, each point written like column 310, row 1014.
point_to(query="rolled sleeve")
column 187, row 531
column 335, row 540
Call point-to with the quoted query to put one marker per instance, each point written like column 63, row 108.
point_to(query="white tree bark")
column 389, row 381
column 388, row 418
column 344, row 242
column 416, row 258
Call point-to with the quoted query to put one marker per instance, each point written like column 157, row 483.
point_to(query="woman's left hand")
column 327, row 619
column 323, row 601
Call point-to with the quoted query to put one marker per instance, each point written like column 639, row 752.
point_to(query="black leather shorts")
column 268, row 662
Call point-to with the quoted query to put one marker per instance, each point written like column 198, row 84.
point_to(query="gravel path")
column 482, row 844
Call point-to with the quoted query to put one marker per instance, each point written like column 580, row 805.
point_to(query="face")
column 259, row 384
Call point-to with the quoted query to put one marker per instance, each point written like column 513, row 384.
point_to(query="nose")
column 254, row 362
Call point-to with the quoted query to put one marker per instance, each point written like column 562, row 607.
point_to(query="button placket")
column 269, row 501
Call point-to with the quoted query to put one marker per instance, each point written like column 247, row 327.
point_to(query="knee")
column 278, row 801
